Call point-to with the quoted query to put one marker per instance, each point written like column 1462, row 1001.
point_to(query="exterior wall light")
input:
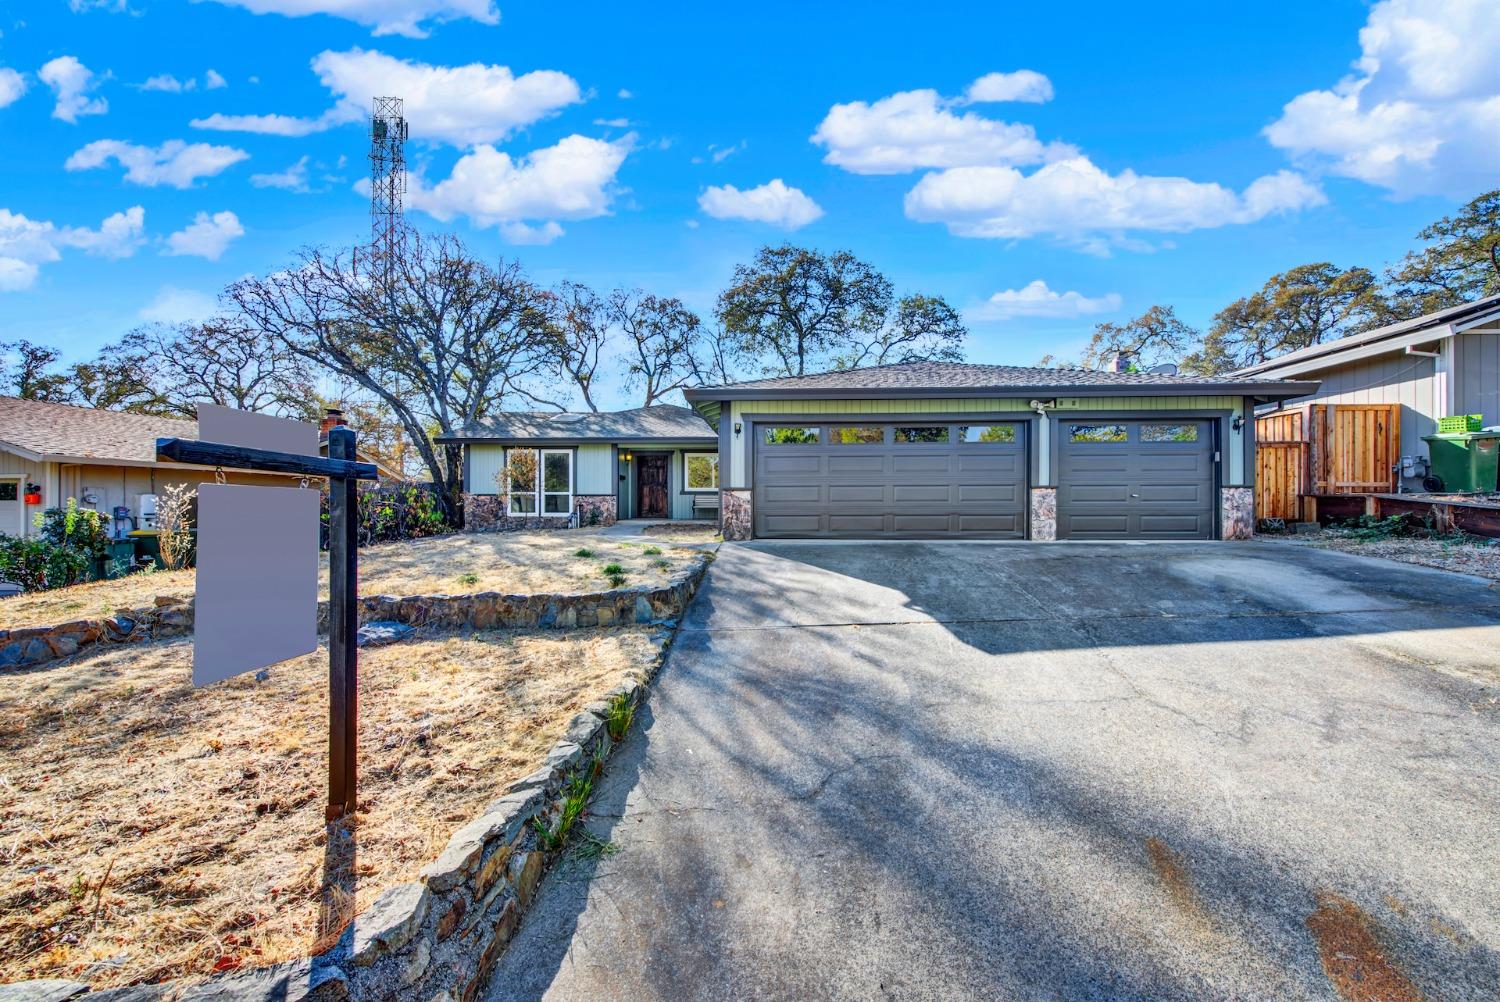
column 736, row 427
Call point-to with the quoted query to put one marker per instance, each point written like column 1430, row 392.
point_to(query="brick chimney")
column 331, row 419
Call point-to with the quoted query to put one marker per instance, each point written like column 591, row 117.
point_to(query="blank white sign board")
column 228, row 426
column 257, row 594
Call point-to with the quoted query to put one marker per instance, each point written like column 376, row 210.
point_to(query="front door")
column 651, row 486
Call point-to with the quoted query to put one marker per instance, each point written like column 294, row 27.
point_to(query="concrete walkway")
column 1052, row 771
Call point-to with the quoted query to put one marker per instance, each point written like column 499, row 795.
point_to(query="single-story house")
column 103, row 459
column 588, row 468
column 953, row 450
column 916, row 450
column 1439, row 365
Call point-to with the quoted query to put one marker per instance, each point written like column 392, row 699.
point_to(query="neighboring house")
column 1439, row 365
column 588, row 468
column 103, row 459
column 949, row 450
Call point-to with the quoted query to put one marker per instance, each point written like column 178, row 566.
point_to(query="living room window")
column 700, row 471
column 541, row 482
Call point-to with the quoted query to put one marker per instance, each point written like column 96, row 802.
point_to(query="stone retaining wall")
column 437, row 938
column 34, row 645
column 488, row 513
column 171, row 616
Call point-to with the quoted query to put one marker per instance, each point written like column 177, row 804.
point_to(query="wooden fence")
column 1324, row 449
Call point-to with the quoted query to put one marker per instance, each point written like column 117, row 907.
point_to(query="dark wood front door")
column 651, row 486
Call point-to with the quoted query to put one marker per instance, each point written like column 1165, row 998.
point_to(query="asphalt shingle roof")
column 969, row 376
column 51, row 429
column 660, row 421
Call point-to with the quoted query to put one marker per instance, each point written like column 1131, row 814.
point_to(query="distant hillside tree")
column 1298, row 308
column 662, row 338
column 26, row 372
column 793, row 310
column 1153, row 338
column 1454, row 267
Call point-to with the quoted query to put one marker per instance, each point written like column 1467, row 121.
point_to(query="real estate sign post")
column 260, row 547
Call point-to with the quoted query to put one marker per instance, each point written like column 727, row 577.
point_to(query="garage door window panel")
column 922, row 434
column 856, row 435
column 987, row 434
column 1098, row 434
column 1161, row 433
column 779, row 435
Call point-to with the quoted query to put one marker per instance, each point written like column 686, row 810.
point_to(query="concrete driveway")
column 1094, row 771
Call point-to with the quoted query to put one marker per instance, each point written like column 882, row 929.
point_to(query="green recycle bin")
column 1469, row 461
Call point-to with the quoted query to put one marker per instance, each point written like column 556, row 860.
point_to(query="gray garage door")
column 1120, row 479
column 915, row 479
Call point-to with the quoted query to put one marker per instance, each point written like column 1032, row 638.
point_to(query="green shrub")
column 652, row 551
column 617, row 580
column 583, row 551
column 611, row 569
column 37, row 565
column 76, row 528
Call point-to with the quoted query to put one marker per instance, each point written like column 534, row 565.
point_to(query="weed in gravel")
column 612, row 568
column 583, row 551
column 468, row 579
column 652, row 551
column 662, row 564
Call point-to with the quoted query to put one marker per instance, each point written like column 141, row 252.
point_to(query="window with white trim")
column 557, row 482
column 700, row 472
column 541, row 482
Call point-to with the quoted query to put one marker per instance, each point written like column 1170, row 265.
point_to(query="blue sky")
column 1179, row 157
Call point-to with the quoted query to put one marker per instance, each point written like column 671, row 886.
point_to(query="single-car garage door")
column 913, row 479
column 1123, row 479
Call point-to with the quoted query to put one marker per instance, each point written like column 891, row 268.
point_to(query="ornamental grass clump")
column 174, row 508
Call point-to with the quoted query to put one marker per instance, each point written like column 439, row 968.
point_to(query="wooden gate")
column 1323, row 449
column 1281, row 449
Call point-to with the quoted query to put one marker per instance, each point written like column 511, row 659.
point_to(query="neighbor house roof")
column 660, row 422
column 42, row 431
column 929, row 379
column 1392, row 337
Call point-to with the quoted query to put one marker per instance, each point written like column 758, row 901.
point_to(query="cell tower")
column 387, row 176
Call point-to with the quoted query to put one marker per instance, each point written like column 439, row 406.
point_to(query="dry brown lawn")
column 150, row 830
column 517, row 562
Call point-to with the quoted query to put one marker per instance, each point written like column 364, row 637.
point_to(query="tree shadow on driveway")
column 1074, row 807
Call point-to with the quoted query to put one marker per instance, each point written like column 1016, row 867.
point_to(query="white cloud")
column 1022, row 85
column 72, row 82
column 1077, row 202
column 108, row 6
column 774, row 203
column 918, row 128
column 613, row 123
column 461, row 105
column 206, row 236
column 1035, row 299
column 12, row 86
column 214, row 80
column 624, row 95
column 169, row 84
column 172, row 305
column 26, row 244
column 294, row 178
column 174, row 163
column 1420, row 114
column 571, row 180
column 383, row 17
column 118, row 236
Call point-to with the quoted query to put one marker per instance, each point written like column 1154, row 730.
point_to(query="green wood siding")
column 485, row 463
column 595, row 472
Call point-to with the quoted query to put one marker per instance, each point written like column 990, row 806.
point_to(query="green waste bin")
column 1466, row 462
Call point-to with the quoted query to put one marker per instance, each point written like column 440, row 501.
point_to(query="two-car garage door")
column 1116, row 479
column 911, row 480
